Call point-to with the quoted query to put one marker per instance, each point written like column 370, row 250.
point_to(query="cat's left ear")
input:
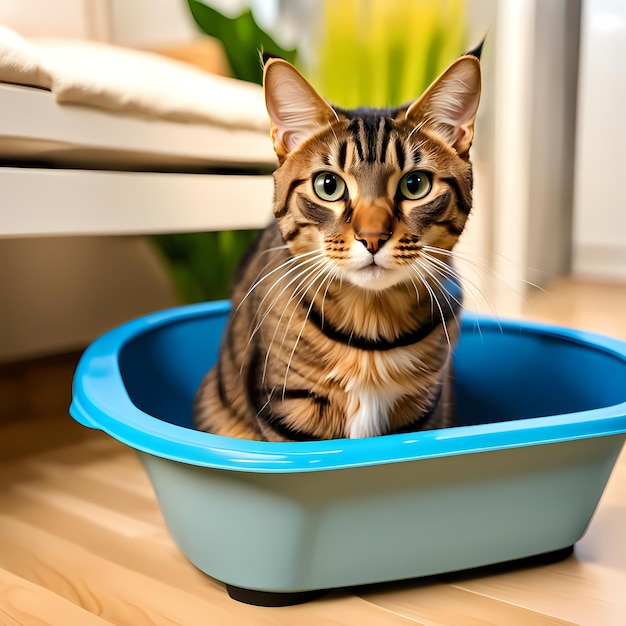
column 448, row 107
column 296, row 110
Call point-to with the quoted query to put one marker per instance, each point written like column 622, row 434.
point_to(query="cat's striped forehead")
column 374, row 140
column 371, row 144
column 373, row 133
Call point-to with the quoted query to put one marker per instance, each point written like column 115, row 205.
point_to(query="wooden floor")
column 82, row 540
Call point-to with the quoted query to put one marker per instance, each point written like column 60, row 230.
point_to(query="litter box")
column 542, row 414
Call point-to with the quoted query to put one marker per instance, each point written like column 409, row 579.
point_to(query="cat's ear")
column 448, row 107
column 295, row 109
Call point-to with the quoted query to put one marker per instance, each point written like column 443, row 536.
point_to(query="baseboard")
column 600, row 262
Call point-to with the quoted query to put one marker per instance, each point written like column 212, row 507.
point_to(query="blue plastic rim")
column 517, row 384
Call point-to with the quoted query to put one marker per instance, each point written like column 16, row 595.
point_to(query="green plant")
column 201, row 265
column 242, row 39
column 384, row 52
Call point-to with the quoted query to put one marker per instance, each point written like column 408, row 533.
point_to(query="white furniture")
column 599, row 246
column 69, row 169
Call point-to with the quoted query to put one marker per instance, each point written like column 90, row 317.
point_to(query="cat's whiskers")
column 328, row 280
column 290, row 261
column 443, row 271
column 274, row 249
column 338, row 271
column 447, row 272
column 471, row 263
column 476, row 265
column 303, row 290
column 267, row 402
column 434, row 301
column 261, row 275
column 468, row 286
column 471, row 289
column 329, row 277
column 408, row 275
column 337, row 276
column 302, row 268
column 422, row 280
column 448, row 296
column 320, row 268
column 320, row 274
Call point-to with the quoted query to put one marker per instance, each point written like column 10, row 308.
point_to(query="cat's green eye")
column 329, row 186
column 415, row 185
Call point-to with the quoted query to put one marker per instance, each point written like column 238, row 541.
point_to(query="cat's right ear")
column 295, row 109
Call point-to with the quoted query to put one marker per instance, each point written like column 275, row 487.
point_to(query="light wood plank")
column 23, row 603
column 124, row 596
column 586, row 305
column 60, row 484
column 583, row 593
column 28, row 438
column 444, row 605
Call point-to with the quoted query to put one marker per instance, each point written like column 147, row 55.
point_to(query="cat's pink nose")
column 373, row 241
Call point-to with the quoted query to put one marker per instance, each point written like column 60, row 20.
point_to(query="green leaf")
column 242, row 39
column 201, row 265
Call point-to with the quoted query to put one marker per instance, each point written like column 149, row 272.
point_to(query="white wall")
column 42, row 18
column 552, row 140
column 59, row 293
column 150, row 23
column 600, row 200
column 523, row 158
column 140, row 23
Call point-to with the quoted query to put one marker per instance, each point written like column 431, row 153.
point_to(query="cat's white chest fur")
column 371, row 417
column 371, row 391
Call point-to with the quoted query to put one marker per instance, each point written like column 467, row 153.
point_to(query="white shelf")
column 117, row 194
column 82, row 202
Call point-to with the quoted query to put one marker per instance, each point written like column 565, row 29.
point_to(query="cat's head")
column 375, row 191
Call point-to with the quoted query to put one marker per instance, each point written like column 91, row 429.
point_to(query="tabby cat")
column 346, row 311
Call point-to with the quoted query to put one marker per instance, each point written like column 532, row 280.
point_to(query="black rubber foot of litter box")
column 272, row 598
column 536, row 560
column 551, row 557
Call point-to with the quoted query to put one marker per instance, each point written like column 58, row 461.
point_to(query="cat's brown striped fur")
column 343, row 318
